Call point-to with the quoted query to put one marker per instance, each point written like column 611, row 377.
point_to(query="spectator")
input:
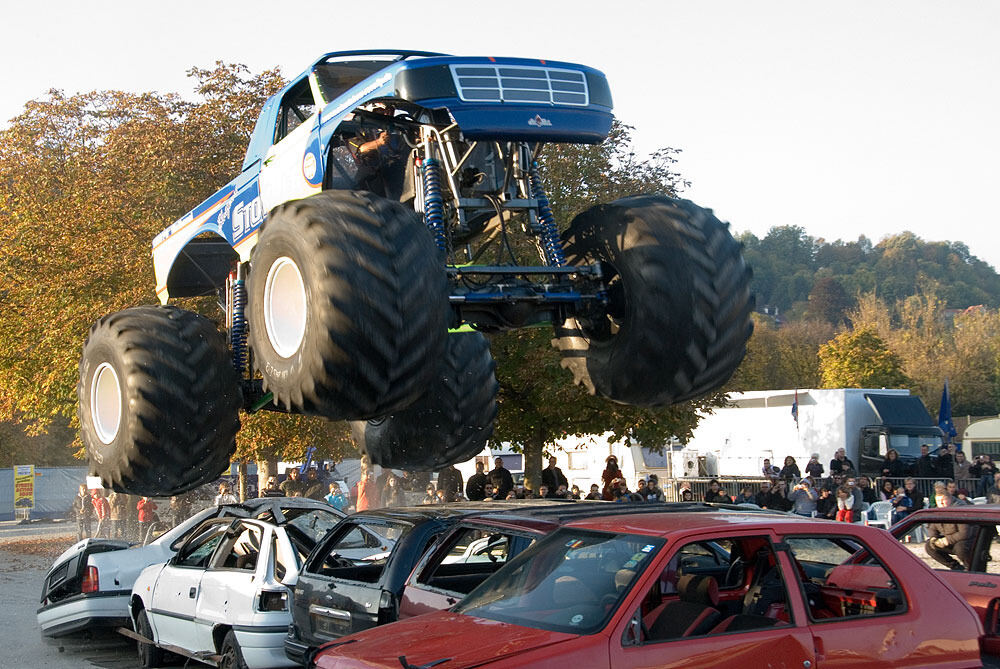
column 790, row 472
column 147, row 516
column 984, row 472
column 293, row 484
column 654, row 493
column 336, row 498
column 779, row 496
column 595, row 492
column 441, row 499
column 960, row 468
column 841, row 464
column 814, row 468
column 394, row 495
column 803, row 498
column 763, row 496
column 180, row 509
column 639, row 495
column 271, row 488
column 902, row 505
column 993, row 492
column 501, row 479
column 857, row 496
column 745, row 496
column 609, row 476
column 116, row 504
column 561, row 492
column 868, row 493
column 924, row 467
column 619, row 488
column 892, row 466
column 961, row 497
column 101, row 511
column 947, row 539
column 490, row 493
column 450, row 481
column 946, row 462
column 315, row 488
column 845, row 505
column 83, row 508
column 553, row 477
column 431, row 496
column 574, row 492
column 716, row 493
column 368, row 497
column 769, row 470
column 826, row 505
column 887, row 492
column 687, row 495
column 224, row 496
column 911, row 491
column 475, row 487
column 834, row 482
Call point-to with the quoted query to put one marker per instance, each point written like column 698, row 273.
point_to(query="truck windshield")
column 909, row 444
column 572, row 581
column 336, row 76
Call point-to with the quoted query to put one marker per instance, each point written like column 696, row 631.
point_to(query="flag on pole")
column 944, row 414
column 795, row 409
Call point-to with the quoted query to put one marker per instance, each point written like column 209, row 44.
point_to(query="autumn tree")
column 781, row 357
column 860, row 359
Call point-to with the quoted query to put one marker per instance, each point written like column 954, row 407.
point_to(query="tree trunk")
column 533, row 463
column 265, row 469
column 241, row 470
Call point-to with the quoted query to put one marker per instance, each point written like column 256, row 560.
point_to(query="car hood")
column 464, row 641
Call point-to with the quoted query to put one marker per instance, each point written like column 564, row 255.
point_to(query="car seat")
column 694, row 613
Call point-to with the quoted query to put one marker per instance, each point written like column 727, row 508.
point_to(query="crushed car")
column 89, row 585
column 694, row 588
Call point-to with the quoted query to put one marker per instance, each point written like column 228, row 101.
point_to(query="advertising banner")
column 24, row 486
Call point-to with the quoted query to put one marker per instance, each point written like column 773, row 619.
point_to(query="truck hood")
column 463, row 641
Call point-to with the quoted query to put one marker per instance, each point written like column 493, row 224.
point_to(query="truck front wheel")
column 449, row 423
column 159, row 401
column 348, row 305
column 678, row 314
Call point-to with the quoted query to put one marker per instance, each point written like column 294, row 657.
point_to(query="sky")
column 846, row 117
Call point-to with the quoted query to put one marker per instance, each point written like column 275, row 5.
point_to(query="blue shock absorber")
column 434, row 203
column 546, row 230
column 238, row 330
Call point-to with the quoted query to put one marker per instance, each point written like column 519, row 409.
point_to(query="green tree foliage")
column 86, row 182
column 781, row 357
column 860, row 359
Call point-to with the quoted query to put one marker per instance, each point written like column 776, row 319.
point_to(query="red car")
column 965, row 560
column 691, row 588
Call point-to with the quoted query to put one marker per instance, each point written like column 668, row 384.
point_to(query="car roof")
column 990, row 512
column 666, row 521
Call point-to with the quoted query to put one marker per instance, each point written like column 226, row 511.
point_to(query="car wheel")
column 150, row 655
column 449, row 423
column 232, row 656
column 678, row 309
column 159, row 401
column 348, row 306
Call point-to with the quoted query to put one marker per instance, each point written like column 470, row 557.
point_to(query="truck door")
column 873, row 449
column 286, row 171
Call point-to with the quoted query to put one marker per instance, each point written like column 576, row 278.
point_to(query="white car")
column 222, row 599
column 90, row 583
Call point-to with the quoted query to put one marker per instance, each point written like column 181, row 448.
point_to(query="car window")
column 297, row 106
column 722, row 586
column 335, row 77
column 955, row 546
column 842, row 578
column 242, row 548
column 198, row 551
column 569, row 582
column 358, row 552
column 467, row 558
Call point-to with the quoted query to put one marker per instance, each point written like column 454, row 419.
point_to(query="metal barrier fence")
column 733, row 485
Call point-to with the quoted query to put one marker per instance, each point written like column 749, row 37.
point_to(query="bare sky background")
column 846, row 117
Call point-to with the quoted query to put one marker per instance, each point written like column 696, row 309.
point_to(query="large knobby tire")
column 150, row 655
column 348, row 305
column 678, row 317
column 232, row 655
column 158, row 401
column 449, row 423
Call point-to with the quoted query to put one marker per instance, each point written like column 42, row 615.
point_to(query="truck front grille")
column 507, row 83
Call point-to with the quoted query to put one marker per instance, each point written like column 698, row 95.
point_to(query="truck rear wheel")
column 678, row 315
column 159, row 401
column 451, row 422
column 348, row 305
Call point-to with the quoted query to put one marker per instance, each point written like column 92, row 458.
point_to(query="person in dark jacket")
column 892, row 466
column 501, row 479
column 841, row 464
column 814, row 467
column 716, row 493
column 924, row 467
column 475, row 487
column 84, row 510
column 450, row 482
column 553, row 477
column 790, row 472
column 826, row 505
column 763, row 496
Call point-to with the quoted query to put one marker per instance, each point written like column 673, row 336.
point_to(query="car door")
column 174, row 600
column 288, row 170
column 751, row 616
column 232, row 579
column 340, row 590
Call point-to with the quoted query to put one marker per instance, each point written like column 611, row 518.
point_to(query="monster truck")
column 375, row 233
